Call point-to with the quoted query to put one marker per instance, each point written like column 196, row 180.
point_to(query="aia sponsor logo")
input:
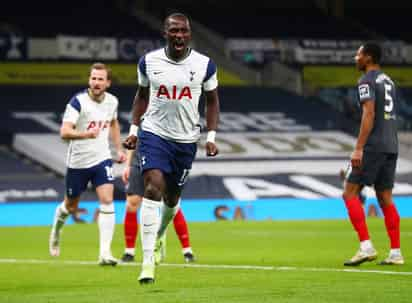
column 174, row 93
column 98, row 124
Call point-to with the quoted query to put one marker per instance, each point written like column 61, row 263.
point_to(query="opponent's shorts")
column 135, row 186
column 78, row 178
column 172, row 158
column 377, row 169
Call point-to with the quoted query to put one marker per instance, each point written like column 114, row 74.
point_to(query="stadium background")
column 289, row 114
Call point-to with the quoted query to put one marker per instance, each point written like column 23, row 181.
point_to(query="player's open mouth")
column 179, row 45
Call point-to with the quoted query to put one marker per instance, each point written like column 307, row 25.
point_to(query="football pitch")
column 237, row 261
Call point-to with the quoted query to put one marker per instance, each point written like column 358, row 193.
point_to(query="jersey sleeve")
column 366, row 89
column 72, row 112
column 210, row 80
column 143, row 80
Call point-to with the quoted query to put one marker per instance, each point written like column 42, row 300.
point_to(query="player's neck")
column 96, row 98
column 372, row 67
column 177, row 57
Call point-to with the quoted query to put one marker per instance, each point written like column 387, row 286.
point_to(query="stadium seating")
column 97, row 18
column 269, row 21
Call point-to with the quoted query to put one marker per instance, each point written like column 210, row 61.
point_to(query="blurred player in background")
column 90, row 118
column 375, row 155
column 172, row 79
column 134, row 195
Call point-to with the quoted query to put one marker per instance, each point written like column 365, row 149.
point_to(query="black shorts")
column 135, row 185
column 377, row 169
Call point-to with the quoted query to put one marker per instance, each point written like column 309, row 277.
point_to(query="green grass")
column 303, row 245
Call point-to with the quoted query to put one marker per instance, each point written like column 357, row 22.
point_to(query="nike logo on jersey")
column 156, row 73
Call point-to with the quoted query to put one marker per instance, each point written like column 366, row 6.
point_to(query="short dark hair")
column 175, row 15
column 374, row 50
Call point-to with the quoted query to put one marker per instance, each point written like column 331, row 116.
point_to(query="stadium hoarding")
column 59, row 74
column 13, row 46
column 87, row 48
column 347, row 76
column 310, row 51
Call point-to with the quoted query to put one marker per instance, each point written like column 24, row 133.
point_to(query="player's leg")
column 76, row 182
column 68, row 206
column 131, row 226
column 106, row 223
column 392, row 224
column 383, row 189
column 149, row 219
column 353, row 186
column 184, row 155
column 134, row 196
column 182, row 232
column 103, row 181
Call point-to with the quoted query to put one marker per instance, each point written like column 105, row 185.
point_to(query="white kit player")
column 165, row 108
column 90, row 117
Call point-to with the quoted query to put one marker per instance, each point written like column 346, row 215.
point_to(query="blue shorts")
column 78, row 178
column 172, row 158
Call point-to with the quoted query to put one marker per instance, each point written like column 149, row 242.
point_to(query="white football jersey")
column 85, row 113
column 175, row 89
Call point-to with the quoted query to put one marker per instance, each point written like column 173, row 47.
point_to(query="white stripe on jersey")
column 85, row 113
column 175, row 89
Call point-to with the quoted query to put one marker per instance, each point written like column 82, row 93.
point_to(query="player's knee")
column 153, row 192
column 133, row 203
column 106, row 200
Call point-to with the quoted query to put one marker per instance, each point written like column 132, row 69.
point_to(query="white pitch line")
column 216, row 266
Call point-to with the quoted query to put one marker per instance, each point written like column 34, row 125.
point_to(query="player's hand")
column 211, row 149
column 126, row 174
column 121, row 156
column 130, row 142
column 356, row 158
column 92, row 133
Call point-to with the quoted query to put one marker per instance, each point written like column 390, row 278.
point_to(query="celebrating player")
column 172, row 78
column 89, row 119
column 375, row 155
column 134, row 195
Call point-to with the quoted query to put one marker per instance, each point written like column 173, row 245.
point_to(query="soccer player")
column 374, row 157
column 172, row 79
column 88, row 121
column 134, row 194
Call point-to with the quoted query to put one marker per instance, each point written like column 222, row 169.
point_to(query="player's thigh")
column 367, row 174
column 105, row 193
column 135, row 186
column 76, row 182
column 154, row 153
column 386, row 177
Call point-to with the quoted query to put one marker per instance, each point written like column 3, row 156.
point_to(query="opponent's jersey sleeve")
column 72, row 112
column 210, row 81
column 367, row 88
column 142, row 73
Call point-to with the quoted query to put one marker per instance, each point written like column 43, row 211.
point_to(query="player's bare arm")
column 368, row 118
column 115, row 136
column 69, row 132
column 212, row 119
column 130, row 153
column 140, row 103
